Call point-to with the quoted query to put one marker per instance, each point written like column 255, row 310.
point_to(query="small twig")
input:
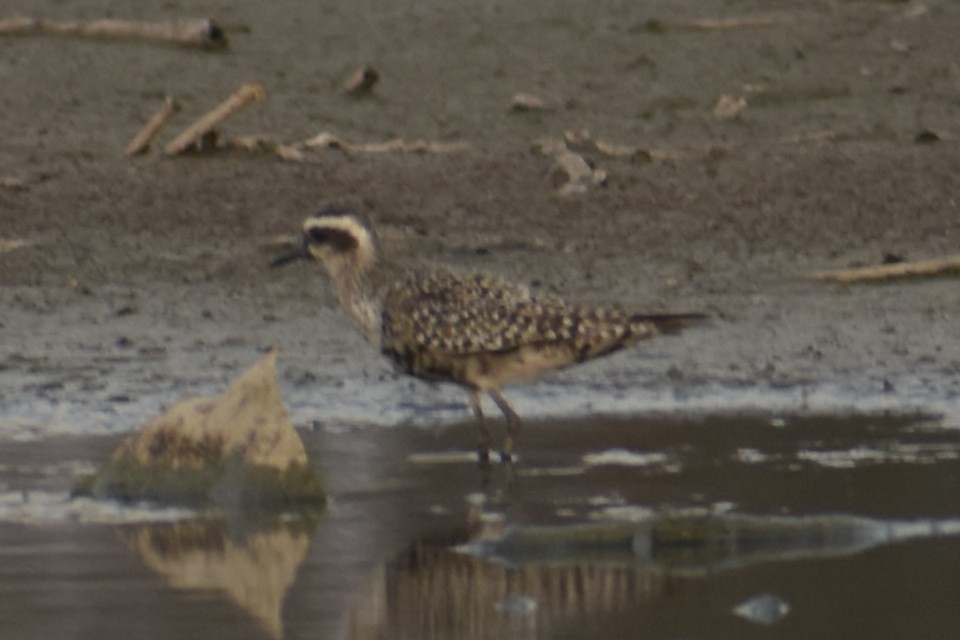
column 723, row 24
column 203, row 32
column 580, row 141
column 12, row 244
column 361, row 83
column 327, row 140
column 244, row 96
column 919, row 268
column 263, row 143
column 525, row 102
column 141, row 141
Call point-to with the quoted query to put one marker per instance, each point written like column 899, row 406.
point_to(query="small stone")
column 527, row 102
column 729, row 107
column 763, row 609
column 362, row 82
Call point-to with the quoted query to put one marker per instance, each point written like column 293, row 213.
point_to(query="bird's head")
column 341, row 241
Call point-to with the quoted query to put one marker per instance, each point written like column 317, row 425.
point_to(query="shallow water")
column 411, row 545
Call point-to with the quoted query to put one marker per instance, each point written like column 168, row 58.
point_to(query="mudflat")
column 843, row 152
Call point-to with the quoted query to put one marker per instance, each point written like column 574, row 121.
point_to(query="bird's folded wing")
column 460, row 315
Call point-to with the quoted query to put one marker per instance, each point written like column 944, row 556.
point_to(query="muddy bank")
column 141, row 278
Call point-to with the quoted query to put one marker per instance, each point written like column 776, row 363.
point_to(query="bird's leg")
column 483, row 433
column 513, row 423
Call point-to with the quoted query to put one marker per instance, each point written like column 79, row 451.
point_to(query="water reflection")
column 436, row 592
column 252, row 563
column 532, row 581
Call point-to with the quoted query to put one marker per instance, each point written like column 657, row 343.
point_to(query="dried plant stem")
column 243, row 97
column 919, row 268
column 202, row 32
column 141, row 141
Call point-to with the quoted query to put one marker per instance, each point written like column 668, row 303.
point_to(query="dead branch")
column 915, row 269
column 141, row 141
column 724, row 24
column 243, row 97
column 327, row 140
column 265, row 144
column 200, row 33
column 581, row 141
column 13, row 244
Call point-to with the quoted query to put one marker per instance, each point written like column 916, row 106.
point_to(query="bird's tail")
column 668, row 323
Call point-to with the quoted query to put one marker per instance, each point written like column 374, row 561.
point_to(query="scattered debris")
column 763, row 609
column 729, row 107
column 581, row 141
column 203, row 33
column 522, row 102
column 362, row 82
column 927, row 137
column 12, row 183
column 724, row 24
column 900, row 46
column 263, row 143
column 579, row 175
column 327, row 140
column 919, row 268
column 655, row 25
column 11, row 245
column 915, row 11
column 141, row 141
column 238, row 450
column 192, row 135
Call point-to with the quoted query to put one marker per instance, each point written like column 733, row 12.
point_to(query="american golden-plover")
column 472, row 329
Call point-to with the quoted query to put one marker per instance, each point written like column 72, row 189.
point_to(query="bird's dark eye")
column 336, row 239
column 318, row 235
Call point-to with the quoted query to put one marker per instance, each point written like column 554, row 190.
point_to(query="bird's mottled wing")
column 462, row 314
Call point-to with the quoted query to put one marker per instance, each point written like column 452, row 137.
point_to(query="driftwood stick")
column 723, row 24
column 919, row 268
column 244, row 96
column 327, row 140
column 141, row 141
column 202, row 32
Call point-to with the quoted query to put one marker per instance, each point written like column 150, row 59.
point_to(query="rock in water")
column 238, row 450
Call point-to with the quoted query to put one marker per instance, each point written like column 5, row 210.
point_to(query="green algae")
column 229, row 484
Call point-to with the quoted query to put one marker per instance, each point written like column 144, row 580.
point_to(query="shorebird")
column 472, row 329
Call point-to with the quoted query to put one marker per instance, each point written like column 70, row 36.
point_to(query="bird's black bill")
column 299, row 253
